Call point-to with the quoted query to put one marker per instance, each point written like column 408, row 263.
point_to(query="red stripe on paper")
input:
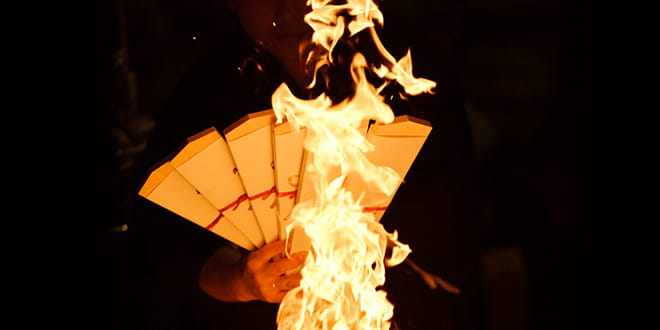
column 290, row 194
column 265, row 194
column 234, row 205
column 374, row 209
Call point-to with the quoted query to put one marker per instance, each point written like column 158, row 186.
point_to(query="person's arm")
column 260, row 275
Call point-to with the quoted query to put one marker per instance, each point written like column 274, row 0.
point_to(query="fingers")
column 283, row 265
column 286, row 283
column 281, row 286
column 266, row 271
column 268, row 251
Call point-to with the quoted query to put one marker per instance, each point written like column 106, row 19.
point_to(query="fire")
column 343, row 273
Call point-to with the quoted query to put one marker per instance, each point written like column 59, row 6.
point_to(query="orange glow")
column 345, row 268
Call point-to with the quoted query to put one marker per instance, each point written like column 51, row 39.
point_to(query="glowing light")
column 343, row 273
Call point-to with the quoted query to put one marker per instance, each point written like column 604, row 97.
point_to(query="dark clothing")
column 435, row 211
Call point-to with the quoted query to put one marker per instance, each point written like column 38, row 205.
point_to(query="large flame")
column 343, row 273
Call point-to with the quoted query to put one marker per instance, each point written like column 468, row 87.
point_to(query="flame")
column 343, row 273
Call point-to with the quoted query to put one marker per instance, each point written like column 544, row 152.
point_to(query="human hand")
column 264, row 272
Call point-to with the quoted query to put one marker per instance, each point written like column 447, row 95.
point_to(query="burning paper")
column 396, row 146
column 346, row 264
column 288, row 155
column 306, row 191
column 354, row 154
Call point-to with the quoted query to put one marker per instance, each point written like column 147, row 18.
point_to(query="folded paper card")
column 287, row 153
column 206, row 162
column 251, row 143
column 166, row 187
column 396, row 146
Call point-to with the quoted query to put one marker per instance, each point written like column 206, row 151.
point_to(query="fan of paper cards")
column 243, row 184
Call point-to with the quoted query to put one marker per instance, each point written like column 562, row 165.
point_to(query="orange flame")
column 346, row 264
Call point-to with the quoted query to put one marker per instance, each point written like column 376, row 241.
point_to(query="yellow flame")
column 343, row 273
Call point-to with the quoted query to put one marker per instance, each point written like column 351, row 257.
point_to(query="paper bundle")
column 243, row 185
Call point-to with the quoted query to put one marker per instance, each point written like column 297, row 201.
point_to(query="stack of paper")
column 243, row 185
